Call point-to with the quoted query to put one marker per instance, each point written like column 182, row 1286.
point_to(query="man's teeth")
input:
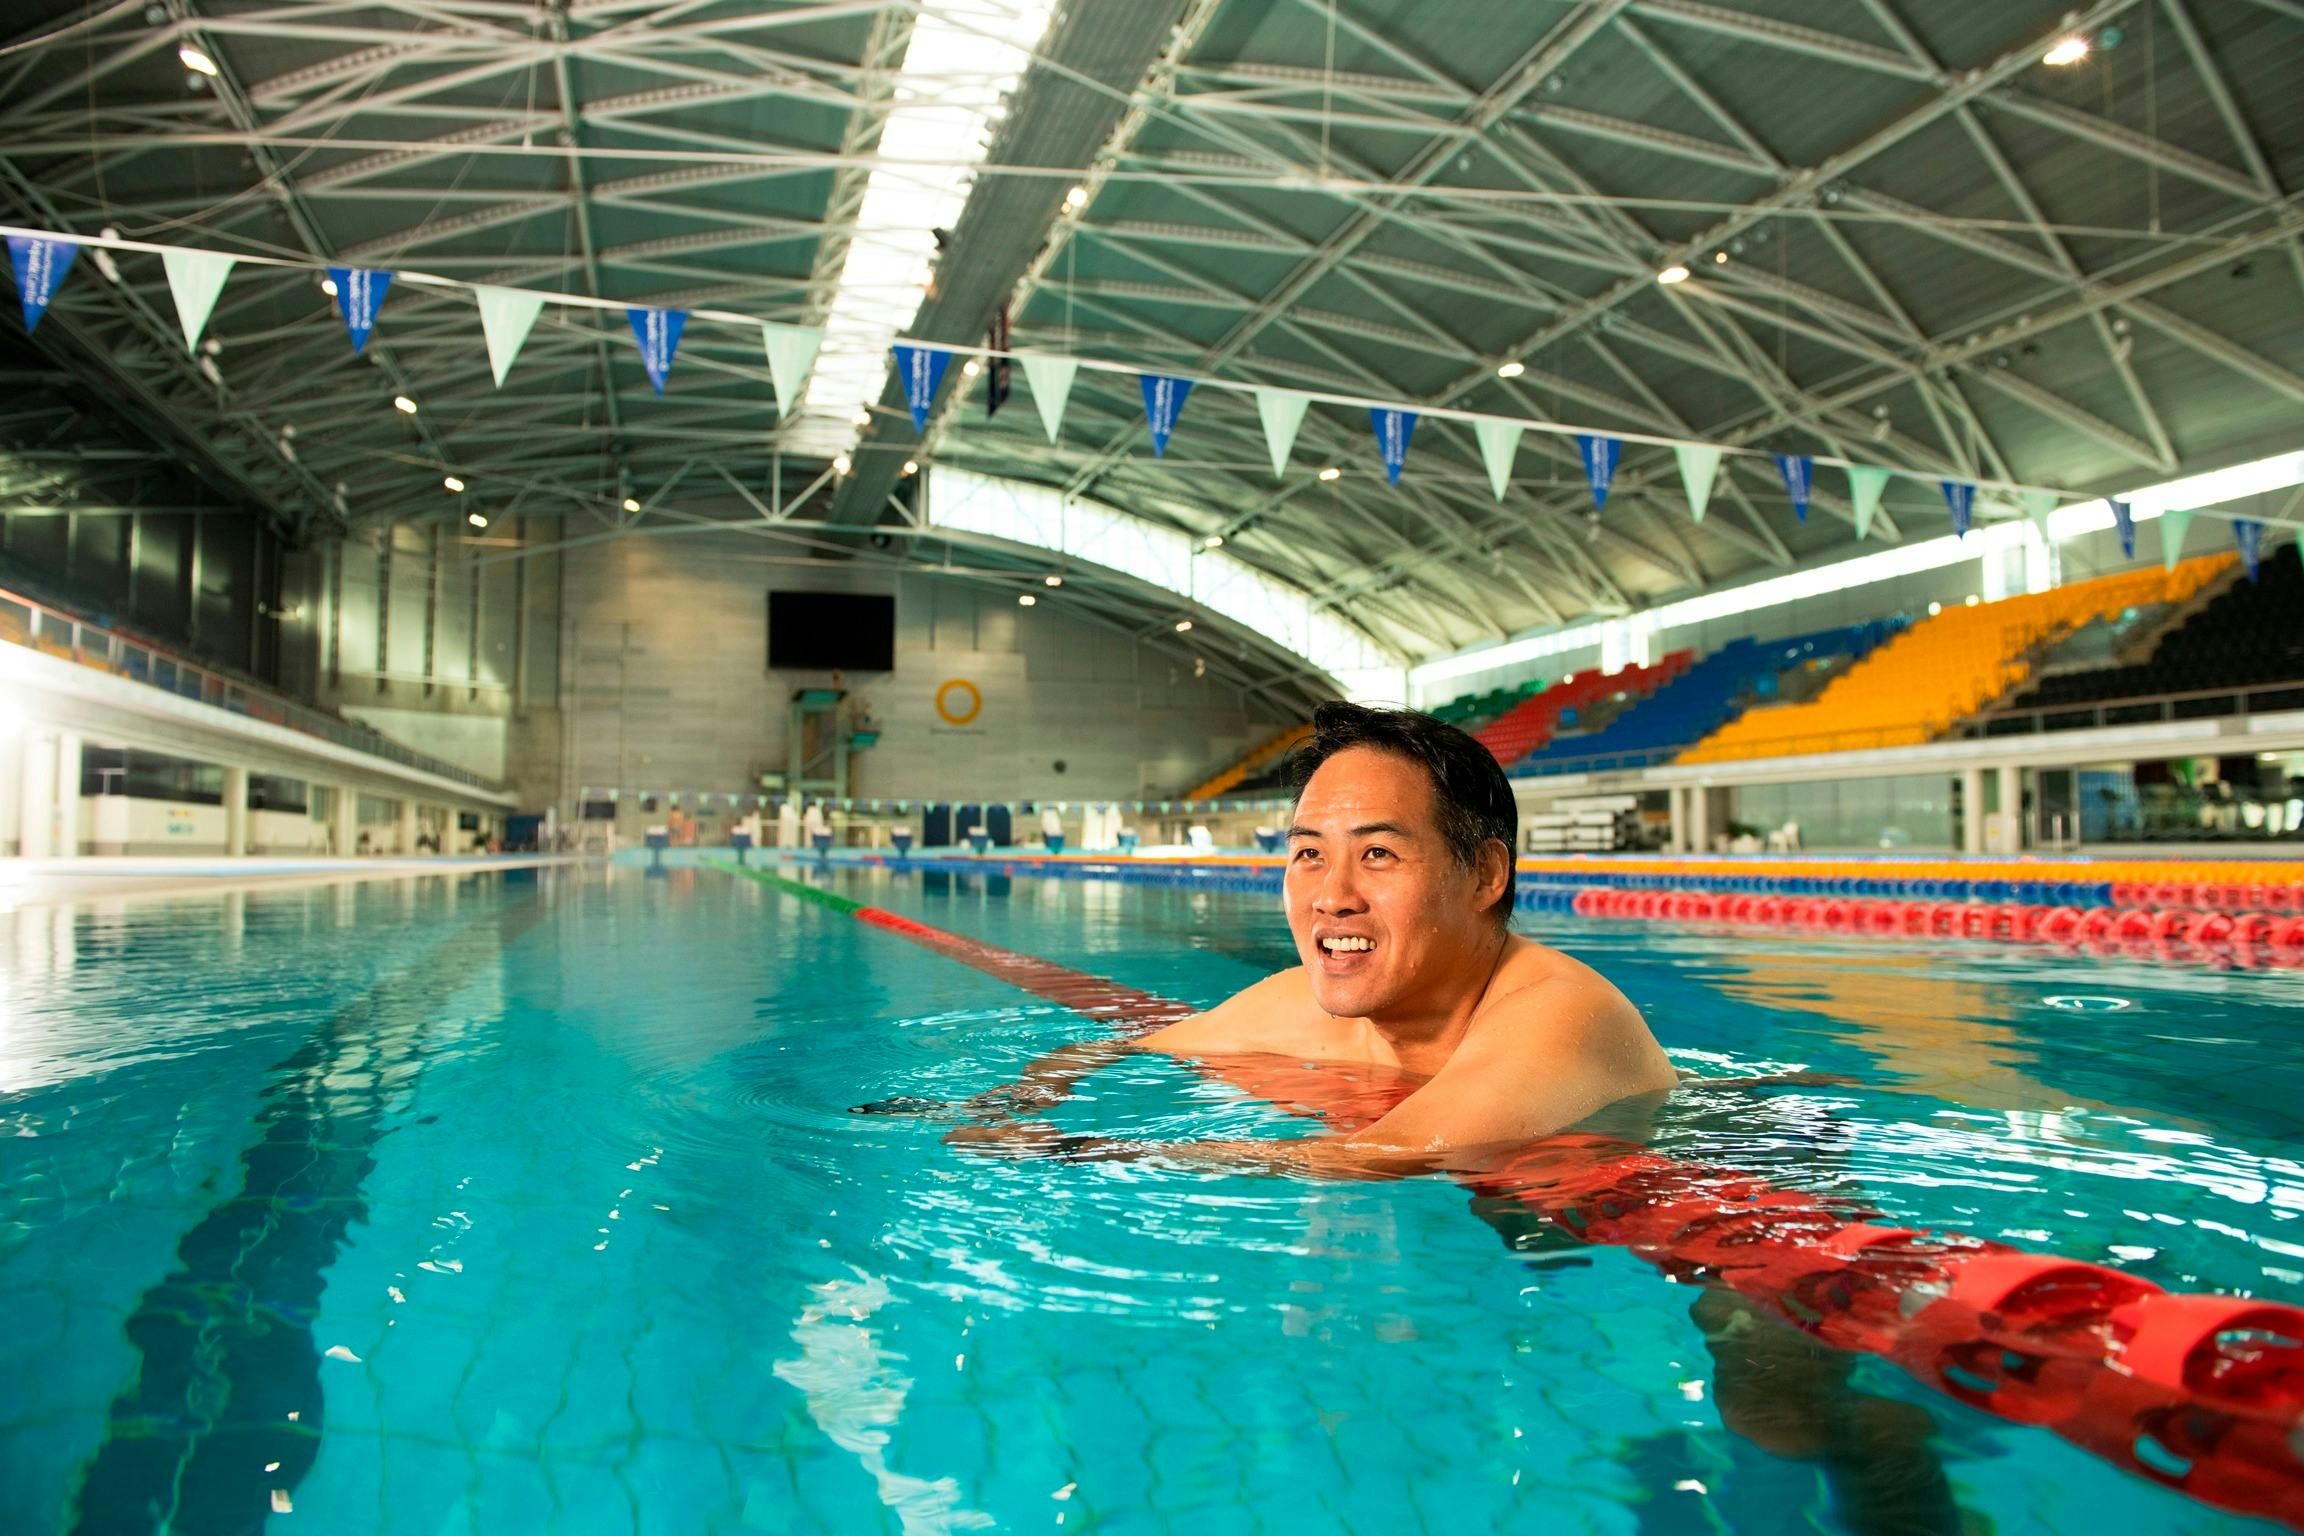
column 1342, row 946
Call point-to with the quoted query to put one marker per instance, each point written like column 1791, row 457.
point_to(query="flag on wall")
column 1282, row 412
column 1499, row 443
column 1051, row 381
column 1961, row 498
column 1163, row 403
column 507, row 315
column 40, row 268
column 1798, row 471
column 2250, row 534
column 1599, row 465
column 791, row 353
column 2125, row 521
column 195, row 279
column 1394, row 427
column 1698, row 468
column 1865, row 485
column 922, row 371
column 359, row 295
column 658, row 332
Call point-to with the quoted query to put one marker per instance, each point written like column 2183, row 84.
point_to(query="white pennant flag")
column 507, row 315
column 1698, row 464
column 791, row 353
column 1282, row 412
column 2037, row 506
column 2173, row 526
column 1051, row 380
column 195, row 278
column 1499, row 441
column 1866, row 485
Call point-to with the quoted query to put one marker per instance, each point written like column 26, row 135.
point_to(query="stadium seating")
column 1944, row 669
column 1529, row 724
column 1471, row 711
column 1268, row 751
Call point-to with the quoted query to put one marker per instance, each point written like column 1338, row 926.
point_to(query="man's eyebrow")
column 1365, row 829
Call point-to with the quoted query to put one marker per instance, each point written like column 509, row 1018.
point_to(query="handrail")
column 2161, row 703
column 36, row 626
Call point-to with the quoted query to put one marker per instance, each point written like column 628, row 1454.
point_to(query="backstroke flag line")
column 1698, row 468
column 1865, row 485
column 922, row 371
column 1282, row 412
column 1393, row 429
column 40, row 268
column 1599, row 465
column 658, row 332
column 507, row 315
column 1499, row 444
column 1050, row 380
column 1960, row 496
column 1798, row 471
column 791, row 353
column 359, row 295
column 195, row 279
column 1163, row 403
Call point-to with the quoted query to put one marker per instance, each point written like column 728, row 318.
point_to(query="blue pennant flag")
column 40, row 268
column 1393, row 429
column 359, row 294
column 2250, row 532
column 2125, row 521
column 922, row 370
column 1599, row 465
column 658, row 332
column 1961, row 498
column 1163, row 403
column 1798, row 472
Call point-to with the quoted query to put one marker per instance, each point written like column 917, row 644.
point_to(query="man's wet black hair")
column 1471, row 799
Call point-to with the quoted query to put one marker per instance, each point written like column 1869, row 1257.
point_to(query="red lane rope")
column 2203, row 1394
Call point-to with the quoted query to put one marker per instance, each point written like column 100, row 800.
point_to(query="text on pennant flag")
column 2125, row 520
column 2248, row 532
column 1798, row 471
column 1599, row 465
column 922, row 371
column 1499, row 446
column 1163, row 403
column 507, row 315
column 359, row 295
column 1394, row 427
column 1282, row 412
column 1050, row 380
column 1699, row 466
column 791, row 353
column 1865, row 486
column 40, row 267
column 658, row 332
column 1960, row 496
column 195, row 280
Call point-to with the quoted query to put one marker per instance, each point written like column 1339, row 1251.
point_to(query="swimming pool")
column 533, row 1201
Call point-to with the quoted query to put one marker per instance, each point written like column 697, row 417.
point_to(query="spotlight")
column 200, row 64
column 862, row 418
column 1053, row 581
column 1935, row 609
column 840, row 464
column 1183, row 626
column 971, row 368
column 1511, row 370
column 476, row 520
column 1076, row 199
column 911, row 466
column 453, row 483
column 1973, row 599
column 328, row 286
column 630, row 505
column 2065, row 51
column 1673, row 274
column 1025, row 600
column 404, row 405
column 1213, row 541
column 1331, row 473
column 1719, row 258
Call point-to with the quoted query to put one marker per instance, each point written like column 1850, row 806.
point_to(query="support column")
column 344, row 822
column 36, row 797
column 1971, row 810
column 1700, row 819
column 2012, row 838
column 407, row 827
column 66, row 836
column 1677, row 842
column 235, row 812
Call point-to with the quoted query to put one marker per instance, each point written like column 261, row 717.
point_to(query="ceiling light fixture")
column 328, row 286
column 1674, row 273
column 911, row 466
column 971, row 367
column 1025, row 599
column 1331, row 473
column 2065, row 51
column 840, row 464
column 200, row 64
column 862, row 418
column 1053, row 581
column 476, row 520
column 1076, row 199
column 1183, row 626
column 404, row 405
column 1719, row 258
column 453, row 483
column 1213, row 541
column 1511, row 370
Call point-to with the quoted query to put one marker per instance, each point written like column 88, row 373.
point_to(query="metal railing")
column 2143, row 709
column 41, row 628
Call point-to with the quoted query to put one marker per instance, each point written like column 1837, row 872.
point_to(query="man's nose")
column 1338, row 892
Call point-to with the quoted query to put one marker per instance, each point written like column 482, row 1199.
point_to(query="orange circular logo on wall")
column 957, row 701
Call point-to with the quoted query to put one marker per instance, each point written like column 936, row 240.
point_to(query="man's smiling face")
column 1376, row 901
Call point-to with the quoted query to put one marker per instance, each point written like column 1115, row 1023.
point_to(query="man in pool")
column 1399, row 890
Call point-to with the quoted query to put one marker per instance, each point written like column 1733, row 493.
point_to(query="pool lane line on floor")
column 227, row 1375
column 2110, row 1371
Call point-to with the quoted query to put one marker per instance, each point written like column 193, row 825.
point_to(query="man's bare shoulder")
column 1276, row 1014
column 1554, row 1002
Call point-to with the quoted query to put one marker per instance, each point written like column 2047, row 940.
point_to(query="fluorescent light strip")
column 964, row 59
column 1984, row 541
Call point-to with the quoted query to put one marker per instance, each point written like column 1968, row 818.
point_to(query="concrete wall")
column 665, row 685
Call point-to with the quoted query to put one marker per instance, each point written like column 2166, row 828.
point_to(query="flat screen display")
column 817, row 631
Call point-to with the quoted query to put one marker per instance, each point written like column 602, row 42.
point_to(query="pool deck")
column 62, row 882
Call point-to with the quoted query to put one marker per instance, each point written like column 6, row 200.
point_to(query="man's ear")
column 1491, row 870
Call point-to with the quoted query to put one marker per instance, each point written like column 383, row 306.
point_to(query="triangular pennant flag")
column 1865, row 485
column 1699, row 465
column 1394, row 427
column 1051, row 380
column 2250, row 534
column 1499, row 443
column 1960, row 496
column 40, row 267
column 195, row 278
column 1282, row 412
column 658, row 332
column 1798, row 471
column 507, row 315
column 791, row 353
column 359, row 295
column 2125, row 521
column 2037, row 505
column 1163, row 403
column 2172, row 529
column 922, row 371
column 1599, row 465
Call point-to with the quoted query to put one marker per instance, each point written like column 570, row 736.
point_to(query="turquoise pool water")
column 532, row 1202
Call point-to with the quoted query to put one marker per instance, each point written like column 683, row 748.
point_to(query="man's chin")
column 1347, row 997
